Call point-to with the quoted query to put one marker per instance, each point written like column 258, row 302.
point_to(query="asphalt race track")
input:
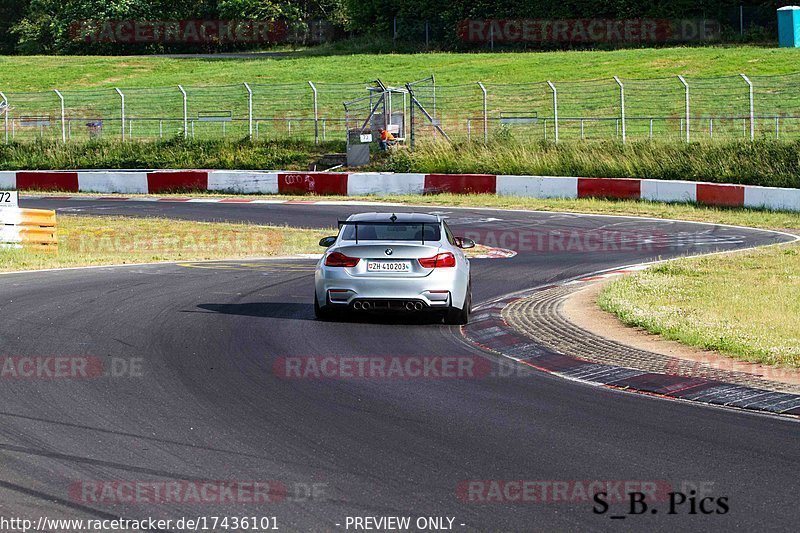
column 207, row 404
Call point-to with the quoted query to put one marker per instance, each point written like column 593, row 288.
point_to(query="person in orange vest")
column 386, row 140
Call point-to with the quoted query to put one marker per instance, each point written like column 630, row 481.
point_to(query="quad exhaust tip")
column 367, row 305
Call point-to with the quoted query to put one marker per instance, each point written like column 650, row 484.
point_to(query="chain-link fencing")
column 672, row 108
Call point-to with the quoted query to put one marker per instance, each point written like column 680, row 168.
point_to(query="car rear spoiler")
column 358, row 223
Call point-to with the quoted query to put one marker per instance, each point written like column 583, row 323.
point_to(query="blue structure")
column 789, row 27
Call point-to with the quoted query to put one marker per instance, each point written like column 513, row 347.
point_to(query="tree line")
column 59, row 26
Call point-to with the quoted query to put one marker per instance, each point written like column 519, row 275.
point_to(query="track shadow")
column 291, row 310
column 302, row 311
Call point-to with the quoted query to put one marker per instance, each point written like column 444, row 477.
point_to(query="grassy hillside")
column 26, row 73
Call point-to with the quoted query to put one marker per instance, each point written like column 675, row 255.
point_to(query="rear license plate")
column 388, row 266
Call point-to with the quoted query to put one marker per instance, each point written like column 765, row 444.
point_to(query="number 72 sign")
column 9, row 199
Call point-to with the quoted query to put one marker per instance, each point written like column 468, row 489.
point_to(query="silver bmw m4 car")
column 405, row 262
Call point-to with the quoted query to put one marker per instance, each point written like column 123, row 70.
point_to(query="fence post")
column 433, row 91
column 63, row 117
column 485, row 114
column 316, row 114
column 622, row 105
column 249, row 111
column 185, row 114
column 122, row 112
column 686, row 87
column 411, row 125
column 555, row 109
column 5, row 115
column 752, row 110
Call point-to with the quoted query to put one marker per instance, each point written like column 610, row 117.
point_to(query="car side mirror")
column 463, row 242
column 327, row 242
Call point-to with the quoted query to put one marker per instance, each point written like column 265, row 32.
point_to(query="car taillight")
column 438, row 261
column 338, row 259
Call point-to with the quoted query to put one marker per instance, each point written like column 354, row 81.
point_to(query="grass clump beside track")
column 86, row 241
column 172, row 153
column 765, row 162
column 745, row 305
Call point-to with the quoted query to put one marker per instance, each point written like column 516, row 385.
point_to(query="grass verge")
column 764, row 162
column 44, row 73
column 172, row 153
column 745, row 305
column 87, row 241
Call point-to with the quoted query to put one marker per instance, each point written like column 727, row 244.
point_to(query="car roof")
column 400, row 217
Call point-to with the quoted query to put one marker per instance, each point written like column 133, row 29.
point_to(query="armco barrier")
column 383, row 183
column 31, row 228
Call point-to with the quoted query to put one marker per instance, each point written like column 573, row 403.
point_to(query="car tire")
column 322, row 313
column 460, row 317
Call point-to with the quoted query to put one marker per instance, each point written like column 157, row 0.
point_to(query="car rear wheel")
column 460, row 317
column 322, row 313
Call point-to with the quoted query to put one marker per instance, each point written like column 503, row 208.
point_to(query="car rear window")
column 402, row 231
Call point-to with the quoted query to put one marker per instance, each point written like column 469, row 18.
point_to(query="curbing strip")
column 352, row 183
column 488, row 330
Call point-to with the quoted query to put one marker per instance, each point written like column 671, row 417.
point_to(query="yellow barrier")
column 36, row 228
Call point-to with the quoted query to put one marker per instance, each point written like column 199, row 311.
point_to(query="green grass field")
column 745, row 305
column 35, row 73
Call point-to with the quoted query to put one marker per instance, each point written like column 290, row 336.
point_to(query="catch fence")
column 675, row 108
